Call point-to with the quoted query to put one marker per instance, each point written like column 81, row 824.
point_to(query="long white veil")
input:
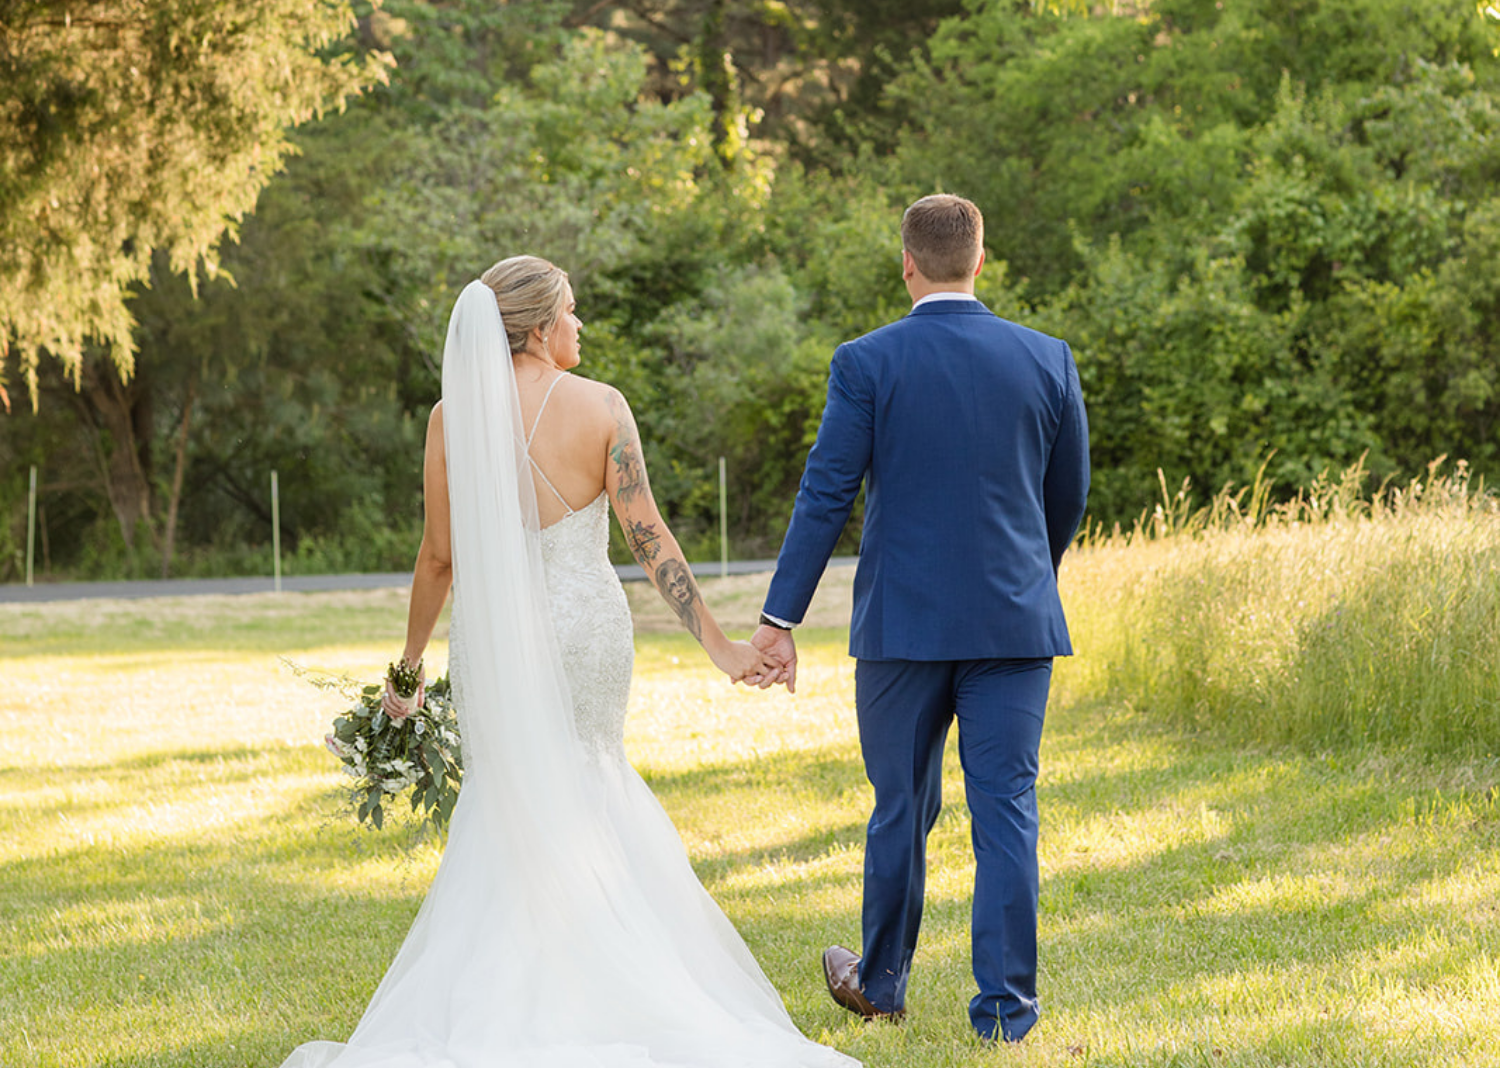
column 564, row 928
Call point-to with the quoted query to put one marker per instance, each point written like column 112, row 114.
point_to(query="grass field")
column 180, row 886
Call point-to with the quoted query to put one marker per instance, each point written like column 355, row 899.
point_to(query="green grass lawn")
column 180, row 884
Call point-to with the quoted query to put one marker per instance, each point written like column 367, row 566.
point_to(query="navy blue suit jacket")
column 970, row 433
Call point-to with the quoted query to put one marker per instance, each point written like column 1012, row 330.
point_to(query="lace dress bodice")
column 592, row 619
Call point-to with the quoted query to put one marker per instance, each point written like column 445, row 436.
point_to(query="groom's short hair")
column 944, row 235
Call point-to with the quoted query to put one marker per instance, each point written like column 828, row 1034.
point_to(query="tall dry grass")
column 1341, row 616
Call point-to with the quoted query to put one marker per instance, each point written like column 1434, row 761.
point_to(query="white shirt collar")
column 944, row 295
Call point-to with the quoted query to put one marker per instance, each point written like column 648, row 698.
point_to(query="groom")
column 969, row 434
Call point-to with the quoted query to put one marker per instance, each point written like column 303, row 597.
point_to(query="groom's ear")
column 980, row 265
column 908, row 266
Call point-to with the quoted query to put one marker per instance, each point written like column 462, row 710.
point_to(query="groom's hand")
column 777, row 644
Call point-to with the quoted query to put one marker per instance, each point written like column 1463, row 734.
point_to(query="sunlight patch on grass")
column 684, row 714
column 1281, row 892
column 133, row 811
column 1121, row 840
column 70, row 711
column 116, row 923
column 1470, row 895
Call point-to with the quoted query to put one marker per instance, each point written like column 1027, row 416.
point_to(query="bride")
column 565, row 927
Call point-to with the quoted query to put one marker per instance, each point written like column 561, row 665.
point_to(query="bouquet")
column 419, row 752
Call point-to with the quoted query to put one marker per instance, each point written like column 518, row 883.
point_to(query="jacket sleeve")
column 1065, row 486
column 835, row 468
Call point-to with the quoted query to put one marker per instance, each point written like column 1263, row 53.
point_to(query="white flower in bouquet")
column 386, row 756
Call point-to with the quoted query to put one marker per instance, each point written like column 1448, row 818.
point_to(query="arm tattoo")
column 676, row 584
column 630, row 469
column 645, row 542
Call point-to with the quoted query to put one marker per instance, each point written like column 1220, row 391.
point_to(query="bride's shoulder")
column 604, row 410
column 601, row 398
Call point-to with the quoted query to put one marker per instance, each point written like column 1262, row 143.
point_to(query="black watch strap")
column 767, row 621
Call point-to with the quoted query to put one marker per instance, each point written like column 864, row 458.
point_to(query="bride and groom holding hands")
column 565, row 927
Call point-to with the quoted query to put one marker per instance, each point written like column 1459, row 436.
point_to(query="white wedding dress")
column 565, row 927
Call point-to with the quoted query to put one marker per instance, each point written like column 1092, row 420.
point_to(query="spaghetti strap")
column 532, row 434
column 545, row 398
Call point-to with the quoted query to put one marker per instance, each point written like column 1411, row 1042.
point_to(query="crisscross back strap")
column 532, row 434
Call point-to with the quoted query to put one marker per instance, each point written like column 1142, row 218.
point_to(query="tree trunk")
column 120, row 412
column 716, row 76
column 169, row 535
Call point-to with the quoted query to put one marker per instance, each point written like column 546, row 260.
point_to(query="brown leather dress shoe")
column 841, row 970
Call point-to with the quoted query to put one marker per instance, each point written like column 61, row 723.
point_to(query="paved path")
column 78, row 591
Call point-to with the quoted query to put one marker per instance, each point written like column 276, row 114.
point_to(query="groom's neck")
column 920, row 287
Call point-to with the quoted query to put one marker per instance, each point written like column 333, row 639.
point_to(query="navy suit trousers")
column 905, row 708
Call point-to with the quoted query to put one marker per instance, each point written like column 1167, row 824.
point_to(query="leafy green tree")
column 128, row 128
column 580, row 164
column 452, row 54
column 295, row 366
column 1268, row 228
column 1138, row 124
column 1339, row 308
column 1236, row 212
column 807, row 74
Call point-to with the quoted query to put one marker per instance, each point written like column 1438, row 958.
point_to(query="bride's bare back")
column 571, row 427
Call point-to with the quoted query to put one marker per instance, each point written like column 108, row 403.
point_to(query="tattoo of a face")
column 645, row 542
column 676, row 583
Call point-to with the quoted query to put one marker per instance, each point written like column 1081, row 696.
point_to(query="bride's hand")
column 742, row 661
column 398, row 707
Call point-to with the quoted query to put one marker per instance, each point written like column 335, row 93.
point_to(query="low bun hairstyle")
column 532, row 295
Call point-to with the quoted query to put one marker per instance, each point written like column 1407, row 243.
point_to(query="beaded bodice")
column 592, row 619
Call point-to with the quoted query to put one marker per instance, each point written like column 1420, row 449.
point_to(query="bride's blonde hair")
column 532, row 294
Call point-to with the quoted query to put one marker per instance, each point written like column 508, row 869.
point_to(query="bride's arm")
column 657, row 551
column 433, row 574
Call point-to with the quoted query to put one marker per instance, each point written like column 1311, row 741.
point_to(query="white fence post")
column 276, row 529
column 723, row 521
column 31, row 527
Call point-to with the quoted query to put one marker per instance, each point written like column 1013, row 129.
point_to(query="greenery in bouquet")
column 387, row 757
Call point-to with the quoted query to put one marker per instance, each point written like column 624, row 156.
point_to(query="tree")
column 1139, row 124
column 806, row 73
column 129, row 128
column 1266, row 226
